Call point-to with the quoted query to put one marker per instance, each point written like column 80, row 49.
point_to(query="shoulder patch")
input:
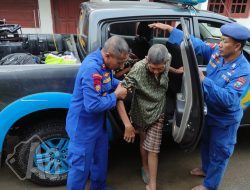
column 97, row 79
column 240, row 82
column 242, row 79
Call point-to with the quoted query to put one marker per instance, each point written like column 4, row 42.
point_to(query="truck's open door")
column 189, row 114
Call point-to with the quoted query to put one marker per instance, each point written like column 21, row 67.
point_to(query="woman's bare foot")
column 197, row 172
column 147, row 187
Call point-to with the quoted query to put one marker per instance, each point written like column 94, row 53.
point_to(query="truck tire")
column 19, row 59
column 42, row 158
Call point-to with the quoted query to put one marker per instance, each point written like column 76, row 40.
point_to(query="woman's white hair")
column 159, row 54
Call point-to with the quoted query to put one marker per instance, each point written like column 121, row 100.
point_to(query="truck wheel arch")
column 27, row 105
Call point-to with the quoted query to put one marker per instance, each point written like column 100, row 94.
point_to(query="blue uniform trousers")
column 88, row 160
column 216, row 148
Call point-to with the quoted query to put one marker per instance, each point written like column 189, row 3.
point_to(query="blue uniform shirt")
column 93, row 95
column 224, row 83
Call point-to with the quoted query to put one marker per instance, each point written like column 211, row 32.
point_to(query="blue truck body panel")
column 27, row 105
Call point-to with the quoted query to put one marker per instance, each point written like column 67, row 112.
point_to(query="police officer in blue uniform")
column 228, row 76
column 95, row 92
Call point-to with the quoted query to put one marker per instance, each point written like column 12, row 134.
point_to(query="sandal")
column 144, row 176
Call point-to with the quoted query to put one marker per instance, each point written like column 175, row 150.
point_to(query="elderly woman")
column 149, row 80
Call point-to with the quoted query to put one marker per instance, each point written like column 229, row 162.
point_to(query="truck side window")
column 138, row 35
column 123, row 28
column 210, row 31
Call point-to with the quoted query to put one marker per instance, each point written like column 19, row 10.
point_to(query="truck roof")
column 147, row 6
column 131, row 5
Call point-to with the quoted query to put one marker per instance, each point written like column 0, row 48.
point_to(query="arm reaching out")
column 161, row 26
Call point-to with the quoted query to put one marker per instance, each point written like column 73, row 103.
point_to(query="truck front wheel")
column 42, row 155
